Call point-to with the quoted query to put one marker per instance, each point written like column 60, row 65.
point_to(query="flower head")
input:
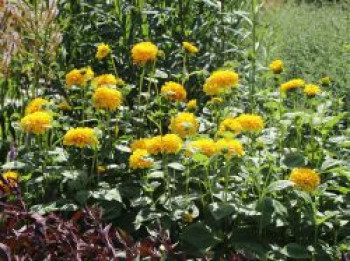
column 87, row 73
column 311, row 90
column 230, row 125
column 36, row 123
column 107, row 99
column 191, row 105
column 325, row 80
column 230, row 147
column 140, row 144
column 75, row 77
column 80, row 137
column 220, row 81
column 36, row 105
column 251, row 122
column 184, row 124
column 173, row 91
column 106, row 80
column 11, row 178
column 215, row 100
column 102, row 51
column 205, row 146
column 305, row 179
column 140, row 159
column 276, row 66
column 292, row 84
column 144, row 52
column 190, row 48
column 167, row 144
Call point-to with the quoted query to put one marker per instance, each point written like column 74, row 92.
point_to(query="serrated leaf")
column 199, row 236
column 294, row 160
column 296, row 251
column 221, row 210
column 279, row 185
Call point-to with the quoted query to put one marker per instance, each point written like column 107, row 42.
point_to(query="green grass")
column 313, row 41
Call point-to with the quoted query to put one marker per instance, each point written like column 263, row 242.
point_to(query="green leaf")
column 294, row 160
column 221, row 210
column 279, row 185
column 176, row 166
column 296, row 251
column 199, row 236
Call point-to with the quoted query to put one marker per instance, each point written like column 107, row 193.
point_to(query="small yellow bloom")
column 305, row 179
column 80, row 137
column 107, row 99
column 251, row 122
column 220, row 81
column 167, row 144
column 231, row 125
column 173, row 91
column 12, row 181
column 75, row 77
column 140, row 144
column 36, row 123
column 191, row 105
column 326, row 80
column 276, row 66
column 230, row 147
column 312, row 90
column 107, row 80
column 205, row 146
column 140, row 159
column 184, row 124
column 292, row 84
column 190, row 48
column 187, row 217
column 102, row 51
column 144, row 52
column 36, row 105
column 64, row 106
column 87, row 73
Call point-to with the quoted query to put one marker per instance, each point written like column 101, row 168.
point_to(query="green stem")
column 227, row 173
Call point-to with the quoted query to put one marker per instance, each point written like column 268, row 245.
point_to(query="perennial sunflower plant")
column 230, row 147
column 167, row 144
column 144, row 52
column 311, row 90
column 102, row 51
column 305, row 179
column 190, row 48
column 107, row 99
column 251, row 122
column 140, row 159
column 36, row 105
column 220, row 81
column 292, row 85
column 106, row 80
column 205, row 146
column 173, row 91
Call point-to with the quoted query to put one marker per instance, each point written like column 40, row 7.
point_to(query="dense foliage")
column 161, row 120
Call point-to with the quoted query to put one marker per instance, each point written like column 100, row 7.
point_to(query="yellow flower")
column 190, row 47
column 140, row 144
column 305, row 179
column 107, row 80
column 230, row 125
column 205, row 146
column 251, row 122
column 75, row 77
column 12, row 179
column 87, row 73
column 167, row 144
column 184, row 124
column 292, row 84
column 326, row 80
column 173, row 91
column 230, row 147
column 102, row 51
column 220, row 81
column 64, row 106
column 276, row 66
column 140, row 160
column 37, row 122
column 35, row 105
column 144, row 52
column 311, row 90
column 80, row 137
column 107, row 99
column 191, row 105
column 215, row 100
column 187, row 217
